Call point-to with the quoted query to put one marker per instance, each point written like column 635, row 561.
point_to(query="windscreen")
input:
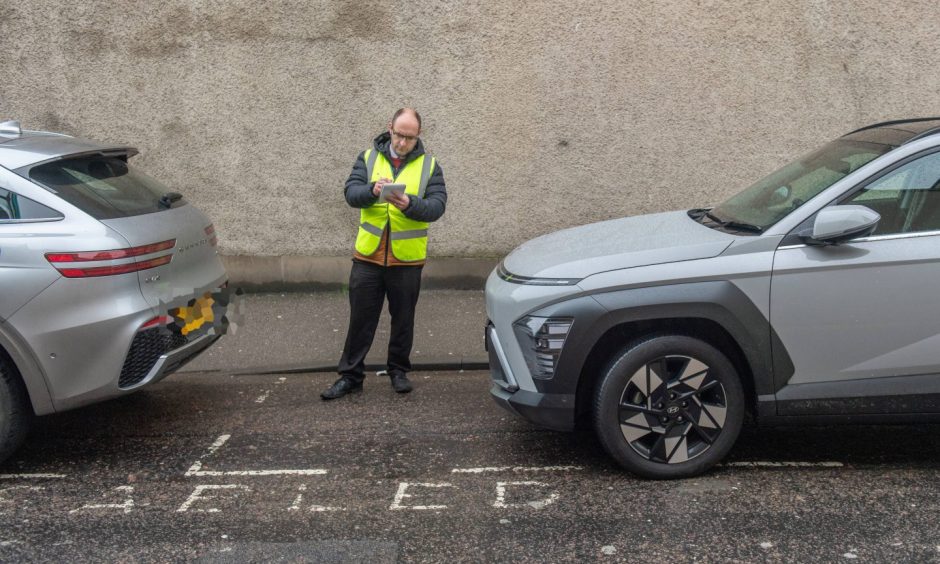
column 776, row 196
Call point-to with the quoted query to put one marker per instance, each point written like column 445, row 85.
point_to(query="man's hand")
column 377, row 188
column 400, row 201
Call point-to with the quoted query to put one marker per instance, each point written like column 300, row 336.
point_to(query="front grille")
column 146, row 348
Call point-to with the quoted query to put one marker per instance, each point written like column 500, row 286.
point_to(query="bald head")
column 409, row 114
column 404, row 129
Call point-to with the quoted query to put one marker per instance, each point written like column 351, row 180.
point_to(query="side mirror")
column 838, row 224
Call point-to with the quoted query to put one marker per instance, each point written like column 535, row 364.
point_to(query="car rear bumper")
column 173, row 360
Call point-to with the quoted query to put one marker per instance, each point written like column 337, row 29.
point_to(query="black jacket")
column 358, row 189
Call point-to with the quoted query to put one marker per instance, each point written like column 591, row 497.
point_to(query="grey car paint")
column 619, row 243
column 68, row 337
column 800, row 293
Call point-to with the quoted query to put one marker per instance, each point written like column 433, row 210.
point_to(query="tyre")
column 669, row 406
column 15, row 411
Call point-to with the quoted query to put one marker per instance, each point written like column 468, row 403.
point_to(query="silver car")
column 809, row 297
column 108, row 280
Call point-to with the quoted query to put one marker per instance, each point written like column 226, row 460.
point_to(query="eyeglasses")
column 408, row 138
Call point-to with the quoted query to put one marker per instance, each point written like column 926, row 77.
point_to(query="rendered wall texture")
column 544, row 115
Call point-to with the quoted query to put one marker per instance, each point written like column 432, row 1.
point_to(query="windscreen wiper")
column 740, row 226
column 168, row 199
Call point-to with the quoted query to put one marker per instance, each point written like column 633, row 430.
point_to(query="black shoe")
column 400, row 383
column 340, row 388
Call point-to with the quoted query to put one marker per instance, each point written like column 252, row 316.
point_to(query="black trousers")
column 369, row 285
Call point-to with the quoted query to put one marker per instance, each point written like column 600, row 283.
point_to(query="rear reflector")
column 210, row 232
column 70, row 259
column 155, row 322
column 88, row 256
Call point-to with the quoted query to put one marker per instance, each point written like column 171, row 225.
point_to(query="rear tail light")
column 65, row 263
column 210, row 233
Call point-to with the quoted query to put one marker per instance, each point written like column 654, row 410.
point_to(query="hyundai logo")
column 672, row 409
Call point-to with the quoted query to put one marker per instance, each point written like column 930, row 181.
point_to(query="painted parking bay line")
column 196, row 468
column 486, row 469
column 782, row 464
column 31, row 476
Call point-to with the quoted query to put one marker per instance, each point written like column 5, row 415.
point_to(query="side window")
column 908, row 198
column 16, row 207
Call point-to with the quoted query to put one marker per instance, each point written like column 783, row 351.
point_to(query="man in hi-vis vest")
column 391, row 247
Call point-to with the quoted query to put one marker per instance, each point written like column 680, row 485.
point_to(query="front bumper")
column 552, row 411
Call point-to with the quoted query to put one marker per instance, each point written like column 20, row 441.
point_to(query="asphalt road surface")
column 218, row 468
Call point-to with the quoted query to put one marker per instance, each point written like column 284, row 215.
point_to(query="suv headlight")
column 542, row 339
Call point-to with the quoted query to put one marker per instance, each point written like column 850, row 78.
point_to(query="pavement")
column 304, row 332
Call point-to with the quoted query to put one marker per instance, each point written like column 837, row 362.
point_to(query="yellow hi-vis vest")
column 408, row 239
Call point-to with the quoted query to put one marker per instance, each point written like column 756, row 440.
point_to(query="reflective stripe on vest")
column 408, row 238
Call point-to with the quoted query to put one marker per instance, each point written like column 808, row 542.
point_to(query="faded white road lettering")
column 126, row 507
column 535, row 504
column 401, row 494
column 197, row 496
column 315, row 508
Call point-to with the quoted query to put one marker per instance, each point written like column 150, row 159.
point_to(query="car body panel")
column 615, row 244
column 29, row 368
column 195, row 267
column 75, row 316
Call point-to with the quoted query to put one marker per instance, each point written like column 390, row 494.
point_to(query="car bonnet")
column 628, row 242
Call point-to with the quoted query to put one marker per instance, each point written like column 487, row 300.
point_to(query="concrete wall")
column 543, row 114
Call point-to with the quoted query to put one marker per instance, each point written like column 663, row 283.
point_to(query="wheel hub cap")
column 672, row 410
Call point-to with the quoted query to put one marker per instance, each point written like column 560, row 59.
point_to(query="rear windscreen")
column 102, row 187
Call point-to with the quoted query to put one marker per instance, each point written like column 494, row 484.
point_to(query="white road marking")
column 536, row 504
column 263, row 396
column 30, row 476
column 300, row 472
column 400, row 495
column 197, row 495
column 515, row 469
column 27, row 488
column 790, row 464
column 127, row 506
column 281, row 380
column 196, row 468
column 316, row 508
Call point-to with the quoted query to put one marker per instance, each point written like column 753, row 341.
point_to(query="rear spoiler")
column 123, row 153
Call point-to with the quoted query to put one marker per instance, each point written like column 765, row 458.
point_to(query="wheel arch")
column 27, row 370
column 618, row 337
column 717, row 312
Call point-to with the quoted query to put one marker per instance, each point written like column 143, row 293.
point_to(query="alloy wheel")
column 672, row 409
